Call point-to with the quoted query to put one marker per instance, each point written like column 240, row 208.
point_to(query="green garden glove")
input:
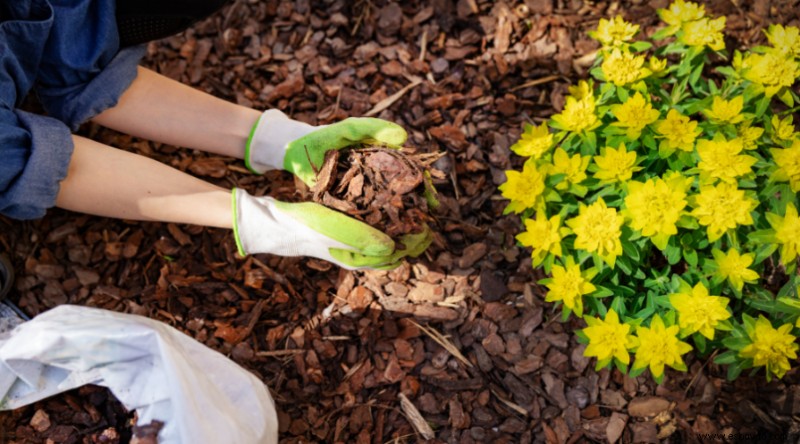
column 266, row 225
column 279, row 142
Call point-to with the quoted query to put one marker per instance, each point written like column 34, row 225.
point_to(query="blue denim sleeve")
column 36, row 151
column 83, row 72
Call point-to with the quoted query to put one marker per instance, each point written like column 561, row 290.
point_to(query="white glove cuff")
column 269, row 139
column 260, row 227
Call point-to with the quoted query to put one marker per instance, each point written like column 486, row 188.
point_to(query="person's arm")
column 110, row 182
column 158, row 108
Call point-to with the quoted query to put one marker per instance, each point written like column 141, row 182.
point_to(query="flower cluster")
column 665, row 192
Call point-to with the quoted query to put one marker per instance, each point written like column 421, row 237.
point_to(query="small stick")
column 534, row 82
column 387, row 102
column 415, row 418
column 308, row 156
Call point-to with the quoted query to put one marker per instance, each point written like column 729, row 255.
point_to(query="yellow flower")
column 615, row 165
column 720, row 159
column 788, row 162
column 704, row 32
column 722, row 207
column 634, row 114
column 679, row 132
column 787, row 233
column 749, row 135
column 573, row 168
column 581, row 91
column 543, row 235
column 658, row 346
column 680, row 12
column 598, row 229
column 622, row 67
column 782, row 129
column 698, row 311
column 726, row 111
column 771, row 70
column 677, row 181
column 568, row 285
column 614, row 33
column 524, row 188
column 654, row 208
column 608, row 339
column 733, row 266
column 534, row 141
column 578, row 115
column 784, row 40
column 770, row 347
column 657, row 65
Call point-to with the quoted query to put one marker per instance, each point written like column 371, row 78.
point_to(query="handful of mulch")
column 386, row 188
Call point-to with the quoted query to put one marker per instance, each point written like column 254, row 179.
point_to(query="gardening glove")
column 266, row 225
column 279, row 142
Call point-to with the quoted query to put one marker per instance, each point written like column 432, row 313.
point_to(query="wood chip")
column 415, row 417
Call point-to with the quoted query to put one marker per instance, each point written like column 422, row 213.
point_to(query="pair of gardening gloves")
column 266, row 225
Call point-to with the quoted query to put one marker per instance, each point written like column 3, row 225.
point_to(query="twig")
column 275, row 353
column 423, row 45
column 696, row 375
column 534, row 82
column 415, row 418
column 313, row 167
column 387, row 102
column 515, row 407
column 447, row 345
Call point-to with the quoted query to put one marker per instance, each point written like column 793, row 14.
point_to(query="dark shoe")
column 6, row 276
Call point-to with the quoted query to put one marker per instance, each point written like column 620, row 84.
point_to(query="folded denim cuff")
column 37, row 186
column 77, row 104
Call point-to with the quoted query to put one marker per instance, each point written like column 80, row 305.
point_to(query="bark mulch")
column 456, row 346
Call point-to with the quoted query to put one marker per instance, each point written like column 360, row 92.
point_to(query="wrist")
column 266, row 145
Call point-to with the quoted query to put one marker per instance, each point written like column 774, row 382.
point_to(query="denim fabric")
column 67, row 52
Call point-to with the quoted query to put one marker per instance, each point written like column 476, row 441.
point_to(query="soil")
column 461, row 340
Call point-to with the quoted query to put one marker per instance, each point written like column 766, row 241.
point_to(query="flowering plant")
column 662, row 199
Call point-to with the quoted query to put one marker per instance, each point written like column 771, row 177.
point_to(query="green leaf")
column 735, row 343
column 694, row 78
column 641, row 46
column 601, row 292
column 762, row 106
column 645, row 313
column 691, row 257
column 790, row 289
column 688, row 222
column 672, row 253
column 618, row 304
column 789, row 305
column 785, row 96
column 622, row 94
column 734, row 370
column 726, row 71
column 665, row 32
column 635, row 372
column 763, row 252
column 629, row 250
column 623, row 264
column 699, row 342
column 729, row 357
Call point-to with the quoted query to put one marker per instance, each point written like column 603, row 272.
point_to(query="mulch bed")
column 461, row 334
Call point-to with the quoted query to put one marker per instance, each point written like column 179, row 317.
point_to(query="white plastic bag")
column 200, row 395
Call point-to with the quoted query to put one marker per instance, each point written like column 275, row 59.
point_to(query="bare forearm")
column 158, row 108
column 110, row 182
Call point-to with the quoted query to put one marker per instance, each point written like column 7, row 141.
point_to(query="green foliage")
column 665, row 194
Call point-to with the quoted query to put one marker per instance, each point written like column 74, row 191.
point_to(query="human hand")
column 266, row 225
column 279, row 142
